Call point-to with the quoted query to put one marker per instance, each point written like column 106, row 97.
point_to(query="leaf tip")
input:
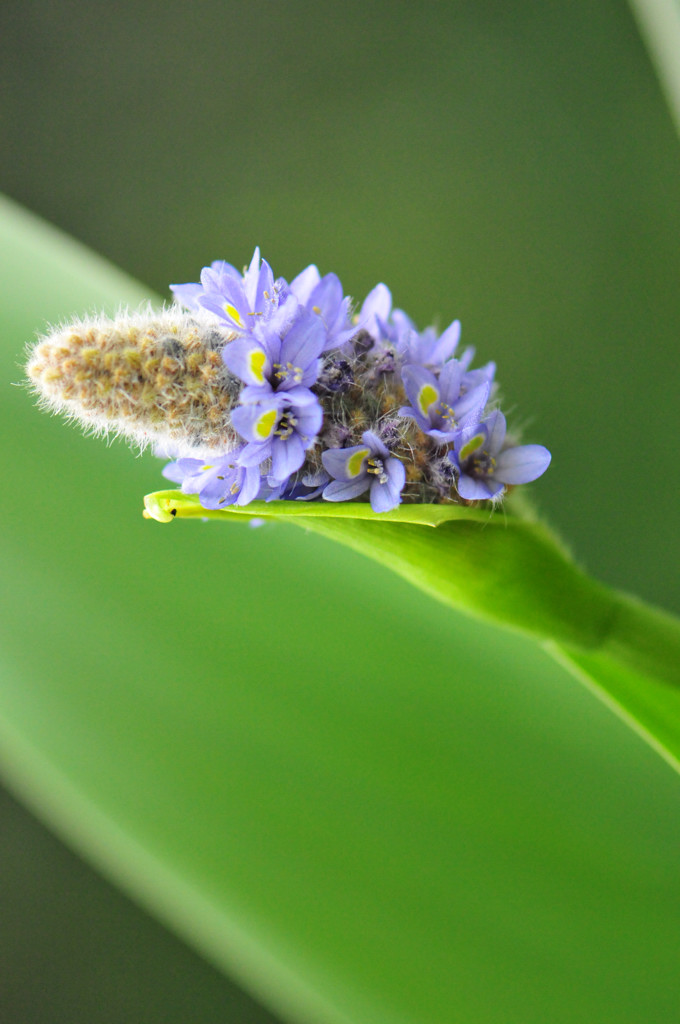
column 159, row 506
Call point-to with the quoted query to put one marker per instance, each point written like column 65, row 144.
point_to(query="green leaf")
column 510, row 571
column 166, row 505
column 362, row 804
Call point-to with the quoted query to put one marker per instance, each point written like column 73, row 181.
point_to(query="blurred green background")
column 512, row 165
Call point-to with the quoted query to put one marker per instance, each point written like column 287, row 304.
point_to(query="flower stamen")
column 377, row 468
column 284, row 372
column 286, row 426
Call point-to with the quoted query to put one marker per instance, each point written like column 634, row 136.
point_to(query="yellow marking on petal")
column 426, row 396
column 354, row 462
column 472, row 445
column 265, row 424
column 317, row 310
column 257, row 360
column 233, row 313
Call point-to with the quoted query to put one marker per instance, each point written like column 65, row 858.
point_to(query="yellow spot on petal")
column 355, row 462
column 265, row 424
column 426, row 396
column 472, row 445
column 257, row 360
column 232, row 312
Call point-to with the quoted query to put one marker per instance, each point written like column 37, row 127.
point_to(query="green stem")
column 475, row 569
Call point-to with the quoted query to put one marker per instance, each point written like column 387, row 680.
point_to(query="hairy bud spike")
column 157, row 378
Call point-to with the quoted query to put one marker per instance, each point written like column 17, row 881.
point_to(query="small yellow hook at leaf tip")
column 158, row 509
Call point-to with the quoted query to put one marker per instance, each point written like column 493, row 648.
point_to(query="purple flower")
column 323, row 297
column 187, row 294
column 299, row 487
column 241, row 300
column 426, row 348
column 362, row 466
column 397, row 337
column 375, row 312
column 276, row 357
column 439, row 406
column 281, row 426
column 304, row 284
column 473, row 378
column 485, row 467
column 220, row 482
column 303, row 362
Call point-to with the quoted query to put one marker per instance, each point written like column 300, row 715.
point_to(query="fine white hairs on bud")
column 154, row 377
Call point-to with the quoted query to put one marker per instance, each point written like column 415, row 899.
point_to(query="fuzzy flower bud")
column 156, row 378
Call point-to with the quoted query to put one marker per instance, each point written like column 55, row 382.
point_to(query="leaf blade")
column 506, row 570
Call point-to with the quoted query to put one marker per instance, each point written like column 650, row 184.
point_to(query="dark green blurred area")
column 74, row 949
column 513, row 165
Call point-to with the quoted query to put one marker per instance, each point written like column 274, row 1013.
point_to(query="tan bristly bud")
column 156, row 378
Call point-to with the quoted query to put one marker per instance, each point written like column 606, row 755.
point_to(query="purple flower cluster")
column 338, row 407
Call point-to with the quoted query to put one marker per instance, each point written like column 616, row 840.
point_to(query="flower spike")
column 263, row 390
